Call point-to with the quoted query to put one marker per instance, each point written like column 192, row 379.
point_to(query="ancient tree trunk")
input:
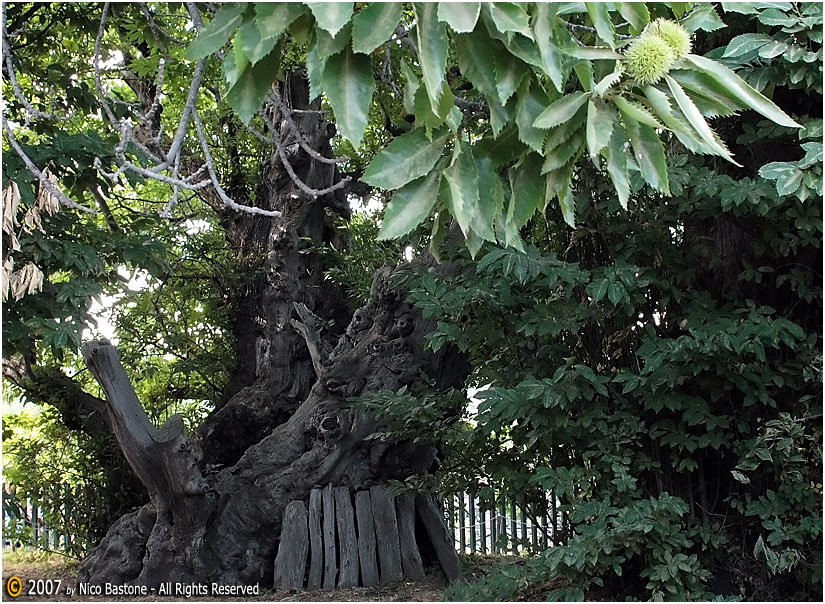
column 218, row 500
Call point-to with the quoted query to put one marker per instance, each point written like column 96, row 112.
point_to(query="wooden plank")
column 411, row 562
column 330, row 556
column 440, row 538
column 386, row 531
column 291, row 561
column 347, row 540
column 316, row 542
column 366, row 539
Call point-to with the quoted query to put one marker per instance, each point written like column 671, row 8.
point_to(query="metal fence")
column 51, row 520
column 55, row 520
column 503, row 526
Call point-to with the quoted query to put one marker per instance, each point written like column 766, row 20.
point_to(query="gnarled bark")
column 230, row 531
column 217, row 500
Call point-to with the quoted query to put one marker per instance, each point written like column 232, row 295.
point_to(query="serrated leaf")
column 551, row 57
column 252, row 86
column 410, row 206
column 704, row 17
column 510, row 71
column 406, row 158
column 462, row 180
column 328, row 45
column 349, row 84
column 500, row 115
column 736, row 87
column 636, row 112
column 608, row 81
column 475, row 55
column 601, row 120
column 711, row 99
column 773, row 49
column 331, row 16
column 745, row 43
column 218, row 32
column 431, row 35
column 672, row 118
column 253, row 44
column 532, row 100
column 567, row 203
column 527, row 190
column 273, row 18
column 635, row 13
column 698, row 122
column 508, row 16
column 616, row 154
column 490, row 198
column 558, row 135
column 460, row 16
column 561, row 110
column 374, row 25
column 649, row 153
column 600, row 16
column 564, row 153
column 315, row 69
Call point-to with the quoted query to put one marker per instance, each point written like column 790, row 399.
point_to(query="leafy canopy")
column 519, row 90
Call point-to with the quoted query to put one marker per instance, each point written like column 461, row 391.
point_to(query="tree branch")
column 163, row 459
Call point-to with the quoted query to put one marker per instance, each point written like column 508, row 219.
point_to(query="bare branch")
column 44, row 180
column 286, row 112
column 279, row 147
column 96, row 63
column 210, row 166
column 15, row 86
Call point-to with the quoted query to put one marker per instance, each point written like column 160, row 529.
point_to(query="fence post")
column 502, row 521
column 493, row 526
column 513, row 526
column 473, row 547
column 461, row 524
column 483, row 527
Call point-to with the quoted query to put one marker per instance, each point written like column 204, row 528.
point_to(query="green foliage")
column 527, row 68
column 49, row 464
column 658, row 370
